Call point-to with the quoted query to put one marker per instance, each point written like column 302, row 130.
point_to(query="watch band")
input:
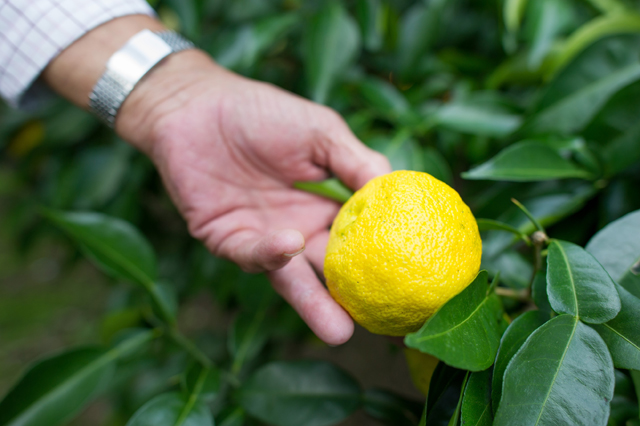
column 126, row 68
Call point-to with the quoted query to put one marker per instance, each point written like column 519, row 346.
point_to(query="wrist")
column 163, row 90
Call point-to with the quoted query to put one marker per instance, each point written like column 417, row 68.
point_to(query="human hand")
column 229, row 150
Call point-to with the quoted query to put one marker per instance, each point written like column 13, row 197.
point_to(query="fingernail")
column 294, row 254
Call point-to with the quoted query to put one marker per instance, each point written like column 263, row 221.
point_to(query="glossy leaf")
column 573, row 113
column 476, row 119
column 563, row 374
column 300, row 393
column 331, row 42
column 403, row 152
column 512, row 340
column 172, row 409
column 623, row 151
column 617, row 248
column 330, row 188
column 390, row 409
column 473, row 317
column 596, row 62
column 548, row 18
column 383, row 96
column 114, row 245
column 418, row 32
column 55, row 389
column 578, row 285
column 597, row 29
column 527, row 161
column 476, row 403
column 622, row 334
column 120, row 250
column 444, row 395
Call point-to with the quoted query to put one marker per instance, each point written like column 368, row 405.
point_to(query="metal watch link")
column 126, row 68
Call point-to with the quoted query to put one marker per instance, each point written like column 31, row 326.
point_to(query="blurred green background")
column 439, row 86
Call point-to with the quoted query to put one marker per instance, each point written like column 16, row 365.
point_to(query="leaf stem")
column 520, row 295
column 529, row 215
column 189, row 347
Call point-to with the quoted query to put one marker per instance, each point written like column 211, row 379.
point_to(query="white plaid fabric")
column 33, row 32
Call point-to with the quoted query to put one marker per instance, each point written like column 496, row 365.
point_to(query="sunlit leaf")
column 527, row 161
column 472, row 317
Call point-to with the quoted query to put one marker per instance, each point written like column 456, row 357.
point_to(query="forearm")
column 76, row 70
column 74, row 73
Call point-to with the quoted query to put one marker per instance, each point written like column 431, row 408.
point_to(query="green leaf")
column 247, row 337
column 114, row 245
column 437, row 166
column 512, row 340
column 119, row 249
column 563, row 374
column 617, row 248
column 330, row 188
column 201, row 380
column 623, row 151
column 476, row 404
column 455, row 419
column 403, row 152
column 473, row 317
column 236, row 418
column 527, row 161
column 572, row 113
column 391, row 409
column 55, row 389
column 331, row 42
column 496, row 225
column 513, row 13
column 596, row 62
column 300, row 393
column 622, row 334
column 597, row 29
column 444, row 395
column 188, row 13
column 476, row 119
column 370, row 15
column 539, row 292
column 578, row 285
column 241, row 48
column 418, row 32
column 172, row 409
column 548, row 19
column 383, row 96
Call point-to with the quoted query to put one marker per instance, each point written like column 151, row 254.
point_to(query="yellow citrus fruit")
column 399, row 249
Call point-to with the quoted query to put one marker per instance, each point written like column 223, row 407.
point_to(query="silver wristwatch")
column 127, row 67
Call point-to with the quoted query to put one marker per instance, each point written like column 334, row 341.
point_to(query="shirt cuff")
column 33, row 36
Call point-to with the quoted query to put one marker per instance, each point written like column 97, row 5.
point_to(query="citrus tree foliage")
column 530, row 109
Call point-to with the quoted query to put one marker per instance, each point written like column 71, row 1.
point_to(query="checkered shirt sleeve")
column 33, row 32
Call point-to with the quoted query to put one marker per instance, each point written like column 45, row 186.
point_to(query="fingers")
column 255, row 253
column 349, row 159
column 316, row 249
column 299, row 286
